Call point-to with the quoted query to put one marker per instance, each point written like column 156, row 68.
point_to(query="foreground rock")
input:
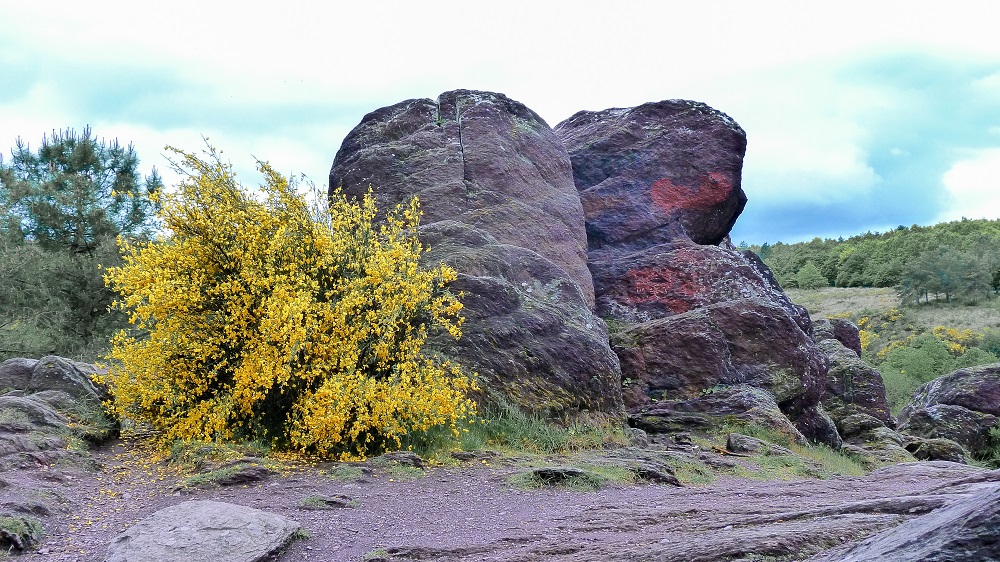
column 208, row 531
column 500, row 206
column 962, row 406
column 966, row 530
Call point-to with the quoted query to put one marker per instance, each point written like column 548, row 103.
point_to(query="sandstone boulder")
column 742, row 342
column 733, row 404
column 208, row 531
column 500, row 207
column 660, row 185
column 479, row 158
column 838, row 329
column 657, row 172
column 853, row 386
column 15, row 373
column 57, row 373
column 962, row 406
column 48, row 403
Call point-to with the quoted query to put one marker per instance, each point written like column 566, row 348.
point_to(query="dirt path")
column 470, row 512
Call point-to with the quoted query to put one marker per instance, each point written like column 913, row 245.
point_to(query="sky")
column 859, row 115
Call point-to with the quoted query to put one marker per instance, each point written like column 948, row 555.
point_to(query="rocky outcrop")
column 499, row 205
column 47, row 405
column 729, row 404
column 204, row 530
column 660, row 185
column 962, row 406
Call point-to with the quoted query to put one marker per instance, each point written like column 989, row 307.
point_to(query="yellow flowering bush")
column 958, row 341
column 267, row 320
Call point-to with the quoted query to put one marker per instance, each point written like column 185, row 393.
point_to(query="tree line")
column 947, row 261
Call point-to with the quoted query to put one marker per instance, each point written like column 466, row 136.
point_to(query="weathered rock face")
column 660, row 185
column 853, row 386
column 746, row 341
column 478, row 158
column 838, row 329
column 204, row 530
column 500, row 206
column 656, row 172
column 966, row 530
column 527, row 332
column 962, row 406
column 740, row 404
column 46, row 403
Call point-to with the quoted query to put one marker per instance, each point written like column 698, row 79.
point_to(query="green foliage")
column 991, row 455
column 810, row 277
column 19, row 532
column 957, row 259
column 265, row 320
column 505, row 426
column 63, row 208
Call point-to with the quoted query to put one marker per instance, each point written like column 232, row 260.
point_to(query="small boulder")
column 742, row 404
column 853, row 386
column 19, row 532
column 15, row 374
column 203, row 531
column 838, row 329
column 936, row 450
column 962, row 406
column 739, row 443
column 57, row 373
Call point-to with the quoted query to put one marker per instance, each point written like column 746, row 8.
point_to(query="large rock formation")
column 500, row 206
column 855, row 399
column 660, row 185
column 962, row 406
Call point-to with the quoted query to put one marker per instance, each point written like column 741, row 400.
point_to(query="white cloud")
column 973, row 186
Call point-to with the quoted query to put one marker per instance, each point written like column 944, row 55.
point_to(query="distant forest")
column 953, row 261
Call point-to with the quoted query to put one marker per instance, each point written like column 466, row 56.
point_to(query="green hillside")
column 957, row 260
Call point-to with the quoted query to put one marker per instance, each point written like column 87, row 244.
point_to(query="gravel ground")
column 469, row 511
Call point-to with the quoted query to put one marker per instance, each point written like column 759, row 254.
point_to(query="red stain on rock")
column 713, row 190
column 671, row 288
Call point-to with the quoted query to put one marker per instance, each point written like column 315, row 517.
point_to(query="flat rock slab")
column 208, row 531
column 967, row 530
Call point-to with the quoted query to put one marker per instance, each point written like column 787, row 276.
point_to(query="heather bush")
column 269, row 319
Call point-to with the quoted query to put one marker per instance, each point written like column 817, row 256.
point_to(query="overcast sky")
column 859, row 115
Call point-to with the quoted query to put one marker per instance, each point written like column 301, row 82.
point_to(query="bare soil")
column 469, row 511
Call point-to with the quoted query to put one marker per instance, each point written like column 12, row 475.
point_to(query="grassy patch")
column 807, row 461
column 18, row 532
column 991, row 456
column 832, row 301
column 377, row 554
column 581, row 477
column 346, row 472
column 505, row 426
